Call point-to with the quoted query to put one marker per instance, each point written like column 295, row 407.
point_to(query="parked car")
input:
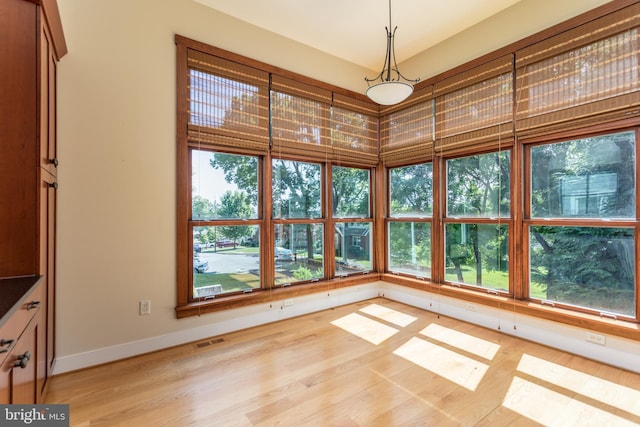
column 197, row 248
column 283, row 254
column 199, row 266
column 225, row 243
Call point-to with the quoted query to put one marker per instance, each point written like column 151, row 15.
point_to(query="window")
column 298, row 232
column 513, row 175
column 409, row 229
column 261, row 153
column 352, row 220
column 577, row 257
column 226, row 230
column 477, row 221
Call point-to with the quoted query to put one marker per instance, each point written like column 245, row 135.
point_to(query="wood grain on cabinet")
column 32, row 44
column 21, row 335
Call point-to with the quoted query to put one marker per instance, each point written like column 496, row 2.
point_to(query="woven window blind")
column 300, row 119
column 228, row 104
column 354, row 131
column 583, row 76
column 406, row 131
column 475, row 108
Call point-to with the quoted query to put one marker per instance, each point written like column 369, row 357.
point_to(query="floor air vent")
column 208, row 343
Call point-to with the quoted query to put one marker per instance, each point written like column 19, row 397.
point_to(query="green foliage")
column 410, row 244
column 411, row 190
column 478, row 186
column 296, row 189
column 481, row 246
column 588, row 266
column 235, row 204
column 240, row 170
column 557, row 167
column 350, row 192
column 304, row 273
column 202, row 208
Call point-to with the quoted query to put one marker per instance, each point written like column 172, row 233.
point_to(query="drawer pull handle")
column 53, row 185
column 6, row 344
column 22, row 361
column 54, row 162
column 33, row 304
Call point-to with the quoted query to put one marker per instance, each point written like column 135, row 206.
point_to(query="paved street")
column 229, row 261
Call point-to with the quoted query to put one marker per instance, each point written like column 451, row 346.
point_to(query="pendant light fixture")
column 390, row 86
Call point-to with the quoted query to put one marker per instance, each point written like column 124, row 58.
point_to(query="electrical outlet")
column 470, row 307
column 145, row 307
column 288, row 302
column 596, row 338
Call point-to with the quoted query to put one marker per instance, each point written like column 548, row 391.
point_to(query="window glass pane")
column 410, row 248
column 224, row 186
column 478, row 186
column 350, row 192
column 590, row 177
column 353, row 247
column 298, row 252
column 411, row 190
column 477, row 255
column 592, row 267
column 296, row 189
column 225, row 259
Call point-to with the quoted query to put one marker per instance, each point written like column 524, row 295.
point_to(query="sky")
column 207, row 181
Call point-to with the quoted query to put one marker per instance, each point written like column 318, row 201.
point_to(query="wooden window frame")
column 516, row 301
column 231, row 141
column 446, row 219
column 321, row 219
column 390, row 218
column 529, row 221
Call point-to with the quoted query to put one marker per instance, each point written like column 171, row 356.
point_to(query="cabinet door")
column 18, row 373
column 47, row 69
column 19, row 137
column 47, row 236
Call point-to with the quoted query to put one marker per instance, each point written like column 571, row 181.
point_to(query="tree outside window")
column 409, row 229
column 576, row 257
column 477, row 228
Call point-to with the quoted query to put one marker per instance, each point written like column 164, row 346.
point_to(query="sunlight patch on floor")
column 365, row 328
column 455, row 367
column 551, row 408
column 618, row 396
column 389, row 315
column 469, row 343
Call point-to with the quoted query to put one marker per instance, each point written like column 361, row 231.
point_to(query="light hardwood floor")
column 374, row 363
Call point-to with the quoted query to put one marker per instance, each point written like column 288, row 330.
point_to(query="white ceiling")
column 354, row 30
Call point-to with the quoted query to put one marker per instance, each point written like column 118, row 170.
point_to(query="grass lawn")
column 490, row 279
column 230, row 282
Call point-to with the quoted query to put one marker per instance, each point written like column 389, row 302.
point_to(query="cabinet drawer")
column 11, row 330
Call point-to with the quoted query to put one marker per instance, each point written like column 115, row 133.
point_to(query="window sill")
column 615, row 327
column 196, row 308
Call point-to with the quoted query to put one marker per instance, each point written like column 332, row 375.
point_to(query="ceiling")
column 354, row 30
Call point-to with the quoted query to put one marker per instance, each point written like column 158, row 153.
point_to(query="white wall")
column 616, row 351
column 523, row 19
column 116, row 133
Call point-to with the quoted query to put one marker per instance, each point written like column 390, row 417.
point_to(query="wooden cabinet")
column 47, row 210
column 32, row 45
column 21, row 338
column 20, row 370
